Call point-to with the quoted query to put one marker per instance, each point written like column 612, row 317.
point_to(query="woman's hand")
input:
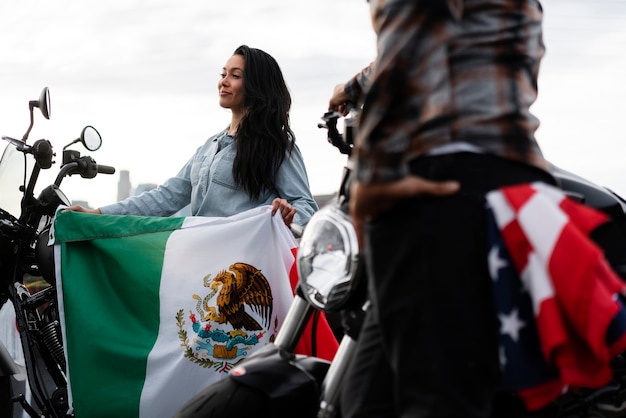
column 77, row 208
column 286, row 210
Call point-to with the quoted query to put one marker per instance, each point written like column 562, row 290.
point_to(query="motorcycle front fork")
column 294, row 324
column 331, row 387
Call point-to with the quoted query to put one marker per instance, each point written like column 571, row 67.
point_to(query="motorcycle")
column 332, row 279
column 27, row 277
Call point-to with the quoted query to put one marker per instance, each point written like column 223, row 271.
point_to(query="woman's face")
column 230, row 85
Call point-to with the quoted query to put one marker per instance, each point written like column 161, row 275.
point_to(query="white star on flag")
column 511, row 324
column 495, row 262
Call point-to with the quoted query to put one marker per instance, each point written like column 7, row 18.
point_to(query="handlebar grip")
column 106, row 169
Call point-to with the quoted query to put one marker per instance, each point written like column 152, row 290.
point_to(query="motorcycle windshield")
column 13, row 167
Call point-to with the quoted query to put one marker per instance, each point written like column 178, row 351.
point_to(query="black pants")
column 429, row 344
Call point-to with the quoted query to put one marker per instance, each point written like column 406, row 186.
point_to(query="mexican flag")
column 154, row 310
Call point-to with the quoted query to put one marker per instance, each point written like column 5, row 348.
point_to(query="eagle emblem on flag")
column 231, row 319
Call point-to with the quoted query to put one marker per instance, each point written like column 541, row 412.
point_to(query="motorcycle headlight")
column 327, row 258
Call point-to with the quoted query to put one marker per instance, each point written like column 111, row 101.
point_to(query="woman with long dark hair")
column 253, row 162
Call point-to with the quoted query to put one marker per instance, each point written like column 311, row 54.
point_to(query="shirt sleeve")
column 165, row 200
column 356, row 85
column 381, row 141
column 292, row 184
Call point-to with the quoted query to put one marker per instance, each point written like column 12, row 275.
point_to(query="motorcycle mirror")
column 43, row 103
column 90, row 137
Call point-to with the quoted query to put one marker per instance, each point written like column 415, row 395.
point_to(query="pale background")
column 144, row 73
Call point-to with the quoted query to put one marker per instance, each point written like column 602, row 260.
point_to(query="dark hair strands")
column 264, row 134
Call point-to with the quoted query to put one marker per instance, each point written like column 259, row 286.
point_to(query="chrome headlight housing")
column 327, row 259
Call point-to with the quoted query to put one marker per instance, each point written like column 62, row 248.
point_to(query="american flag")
column 559, row 304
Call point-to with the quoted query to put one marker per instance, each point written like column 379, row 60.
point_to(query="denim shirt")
column 206, row 182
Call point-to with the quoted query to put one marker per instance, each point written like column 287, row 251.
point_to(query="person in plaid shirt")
column 445, row 118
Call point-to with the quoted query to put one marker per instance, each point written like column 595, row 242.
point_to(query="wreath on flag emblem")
column 230, row 320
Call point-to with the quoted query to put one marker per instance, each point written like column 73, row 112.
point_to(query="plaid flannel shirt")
column 446, row 71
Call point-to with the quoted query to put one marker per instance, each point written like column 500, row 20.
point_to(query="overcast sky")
column 144, row 73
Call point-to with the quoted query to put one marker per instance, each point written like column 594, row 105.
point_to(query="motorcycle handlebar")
column 85, row 166
column 106, row 169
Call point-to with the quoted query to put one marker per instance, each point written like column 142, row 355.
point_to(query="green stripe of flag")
column 130, row 330
column 77, row 226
